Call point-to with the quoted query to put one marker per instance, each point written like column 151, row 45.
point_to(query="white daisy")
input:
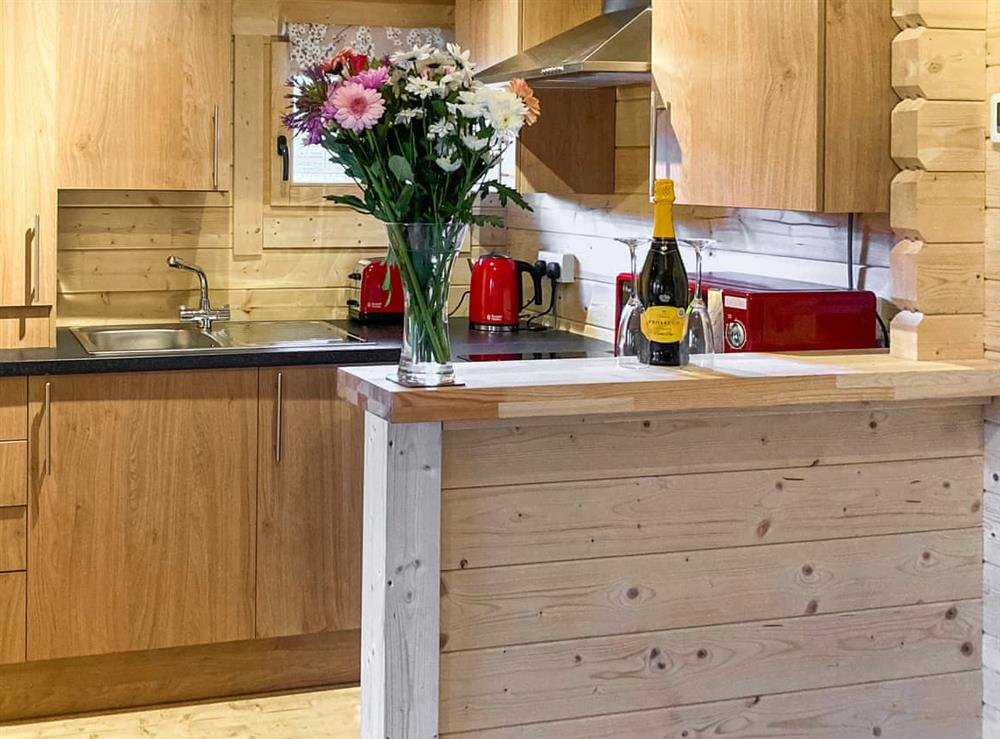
column 447, row 164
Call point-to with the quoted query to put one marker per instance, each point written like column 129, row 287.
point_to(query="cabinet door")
column 144, row 94
column 28, row 36
column 742, row 84
column 142, row 512
column 310, row 504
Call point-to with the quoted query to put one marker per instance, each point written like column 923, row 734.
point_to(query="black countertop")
column 69, row 357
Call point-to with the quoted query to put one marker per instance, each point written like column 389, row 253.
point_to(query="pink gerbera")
column 356, row 108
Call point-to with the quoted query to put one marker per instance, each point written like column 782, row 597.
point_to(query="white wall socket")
column 995, row 118
column 566, row 262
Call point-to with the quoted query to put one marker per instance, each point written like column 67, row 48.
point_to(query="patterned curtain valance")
column 311, row 43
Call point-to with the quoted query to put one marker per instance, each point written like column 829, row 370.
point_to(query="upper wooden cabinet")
column 311, row 450
column 144, row 94
column 781, row 104
column 141, row 511
column 28, row 41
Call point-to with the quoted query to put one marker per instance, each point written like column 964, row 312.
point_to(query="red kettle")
column 495, row 296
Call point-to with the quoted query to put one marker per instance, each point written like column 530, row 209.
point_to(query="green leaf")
column 351, row 201
column 400, row 168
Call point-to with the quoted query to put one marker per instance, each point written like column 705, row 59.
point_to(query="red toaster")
column 764, row 314
column 369, row 301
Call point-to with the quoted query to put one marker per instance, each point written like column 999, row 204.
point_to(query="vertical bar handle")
column 48, row 428
column 655, row 106
column 36, row 288
column 277, row 422
column 215, row 146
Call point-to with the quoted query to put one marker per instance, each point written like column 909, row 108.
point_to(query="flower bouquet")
column 421, row 138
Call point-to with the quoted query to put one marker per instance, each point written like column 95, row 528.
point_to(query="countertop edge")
column 595, row 387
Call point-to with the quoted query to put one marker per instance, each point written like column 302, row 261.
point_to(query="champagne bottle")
column 663, row 286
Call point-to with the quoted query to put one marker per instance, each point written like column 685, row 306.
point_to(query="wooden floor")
column 331, row 714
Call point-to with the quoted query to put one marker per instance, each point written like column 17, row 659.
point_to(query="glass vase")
column 425, row 253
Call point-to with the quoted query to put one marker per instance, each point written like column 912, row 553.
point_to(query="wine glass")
column 700, row 336
column 632, row 346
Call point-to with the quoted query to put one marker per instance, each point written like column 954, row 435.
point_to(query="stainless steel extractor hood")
column 610, row 50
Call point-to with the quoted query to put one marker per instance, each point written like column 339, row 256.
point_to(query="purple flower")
column 372, row 79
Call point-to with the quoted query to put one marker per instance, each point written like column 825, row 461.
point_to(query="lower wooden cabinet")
column 309, row 504
column 12, row 586
column 142, row 511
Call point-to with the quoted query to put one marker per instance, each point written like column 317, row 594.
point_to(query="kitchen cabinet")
column 162, row 120
column 28, row 42
column 141, row 511
column 311, row 449
column 781, row 104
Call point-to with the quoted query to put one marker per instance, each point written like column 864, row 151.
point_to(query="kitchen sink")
column 227, row 336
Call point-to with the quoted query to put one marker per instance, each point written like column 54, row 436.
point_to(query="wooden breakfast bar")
column 788, row 546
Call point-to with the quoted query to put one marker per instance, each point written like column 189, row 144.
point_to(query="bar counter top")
column 597, row 386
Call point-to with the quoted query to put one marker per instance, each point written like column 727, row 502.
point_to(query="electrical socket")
column 566, row 262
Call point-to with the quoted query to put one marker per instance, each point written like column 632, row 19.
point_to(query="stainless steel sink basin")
column 228, row 336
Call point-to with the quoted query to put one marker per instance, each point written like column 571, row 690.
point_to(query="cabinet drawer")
column 13, row 545
column 13, row 408
column 13, row 472
column 12, row 609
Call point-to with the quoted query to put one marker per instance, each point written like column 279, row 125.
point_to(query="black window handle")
column 283, row 153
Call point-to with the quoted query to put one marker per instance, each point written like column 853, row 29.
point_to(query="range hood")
column 611, row 50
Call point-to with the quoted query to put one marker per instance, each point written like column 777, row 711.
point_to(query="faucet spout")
column 205, row 314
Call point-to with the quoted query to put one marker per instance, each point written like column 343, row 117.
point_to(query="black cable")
column 850, row 251
column 459, row 305
column 552, row 304
column 885, row 330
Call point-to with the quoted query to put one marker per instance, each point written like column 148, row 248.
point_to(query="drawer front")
column 13, row 473
column 12, row 608
column 13, row 408
column 13, row 542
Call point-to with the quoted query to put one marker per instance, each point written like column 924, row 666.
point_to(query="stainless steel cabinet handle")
column 655, row 106
column 48, row 428
column 277, row 422
column 215, row 147
column 37, row 260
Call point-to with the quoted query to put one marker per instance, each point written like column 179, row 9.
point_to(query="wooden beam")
column 938, row 278
column 401, row 580
column 939, row 135
column 939, row 13
column 929, row 337
column 939, row 64
column 939, row 207
column 250, row 111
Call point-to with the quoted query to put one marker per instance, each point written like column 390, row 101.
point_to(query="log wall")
column 690, row 574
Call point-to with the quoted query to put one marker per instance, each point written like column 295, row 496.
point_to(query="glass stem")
column 697, row 284
column 635, row 281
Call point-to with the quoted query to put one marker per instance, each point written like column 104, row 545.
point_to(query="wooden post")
column 400, row 611
column 938, row 200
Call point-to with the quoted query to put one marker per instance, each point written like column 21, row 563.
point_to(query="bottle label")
column 664, row 324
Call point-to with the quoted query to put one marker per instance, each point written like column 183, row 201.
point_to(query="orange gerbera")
column 520, row 88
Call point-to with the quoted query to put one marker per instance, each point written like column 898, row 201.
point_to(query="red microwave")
column 764, row 314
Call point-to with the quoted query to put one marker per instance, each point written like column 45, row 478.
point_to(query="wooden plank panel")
column 575, row 678
column 216, row 671
column 401, row 566
column 939, row 64
column 13, row 539
column 916, row 708
column 13, row 408
column 489, row 29
column 12, row 617
column 487, row 527
column 991, row 598
column 938, row 278
column 13, row 472
column 623, row 595
column 25, row 328
column 250, row 111
column 132, row 270
column 326, row 228
column 138, row 228
column 144, row 198
column 676, row 444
